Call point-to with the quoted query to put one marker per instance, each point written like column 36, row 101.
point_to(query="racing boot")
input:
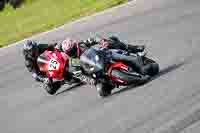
column 136, row 48
column 150, row 69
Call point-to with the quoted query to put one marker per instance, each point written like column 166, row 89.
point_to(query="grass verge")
column 36, row 16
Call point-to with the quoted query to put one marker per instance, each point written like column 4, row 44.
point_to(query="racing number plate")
column 74, row 62
column 53, row 65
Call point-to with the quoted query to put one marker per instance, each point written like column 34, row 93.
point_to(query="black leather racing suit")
column 116, row 45
column 113, row 43
column 31, row 60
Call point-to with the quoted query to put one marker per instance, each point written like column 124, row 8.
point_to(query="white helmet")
column 68, row 44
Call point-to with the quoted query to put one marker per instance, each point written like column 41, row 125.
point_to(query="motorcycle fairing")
column 53, row 63
column 92, row 61
column 118, row 65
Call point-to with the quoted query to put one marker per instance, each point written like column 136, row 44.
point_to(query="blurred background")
column 23, row 18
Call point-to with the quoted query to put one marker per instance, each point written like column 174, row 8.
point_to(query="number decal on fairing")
column 53, row 65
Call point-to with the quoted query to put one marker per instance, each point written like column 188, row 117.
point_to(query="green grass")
column 41, row 15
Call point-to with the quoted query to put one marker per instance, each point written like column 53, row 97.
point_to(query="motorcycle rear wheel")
column 154, row 69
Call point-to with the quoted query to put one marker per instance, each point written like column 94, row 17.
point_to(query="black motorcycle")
column 107, row 72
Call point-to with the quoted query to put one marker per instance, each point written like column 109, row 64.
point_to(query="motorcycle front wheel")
column 104, row 89
column 52, row 88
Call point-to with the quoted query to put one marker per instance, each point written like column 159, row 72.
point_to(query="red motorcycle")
column 55, row 66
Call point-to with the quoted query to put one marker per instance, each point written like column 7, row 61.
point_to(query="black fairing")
column 93, row 61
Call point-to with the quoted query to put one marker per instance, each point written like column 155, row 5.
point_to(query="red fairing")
column 118, row 80
column 117, row 65
column 53, row 63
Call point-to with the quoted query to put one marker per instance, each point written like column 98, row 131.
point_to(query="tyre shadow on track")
column 162, row 72
column 75, row 86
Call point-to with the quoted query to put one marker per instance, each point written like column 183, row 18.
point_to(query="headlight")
column 91, row 68
column 97, row 58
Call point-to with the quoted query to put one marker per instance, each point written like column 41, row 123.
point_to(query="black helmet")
column 30, row 48
column 113, row 38
column 29, row 45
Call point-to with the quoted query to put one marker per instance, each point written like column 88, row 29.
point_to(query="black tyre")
column 104, row 89
column 154, row 68
column 52, row 89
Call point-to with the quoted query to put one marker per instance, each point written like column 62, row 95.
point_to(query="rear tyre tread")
column 154, row 66
column 52, row 89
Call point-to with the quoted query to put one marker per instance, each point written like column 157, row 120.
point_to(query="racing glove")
column 38, row 77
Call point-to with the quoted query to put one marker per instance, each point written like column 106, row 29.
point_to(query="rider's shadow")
column 164, row 71
column 75, row 86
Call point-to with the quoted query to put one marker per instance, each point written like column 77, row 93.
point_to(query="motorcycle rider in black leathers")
column 75, row 49
column 31, row 51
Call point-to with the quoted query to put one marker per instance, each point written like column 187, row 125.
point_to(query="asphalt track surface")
column 167, row 104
